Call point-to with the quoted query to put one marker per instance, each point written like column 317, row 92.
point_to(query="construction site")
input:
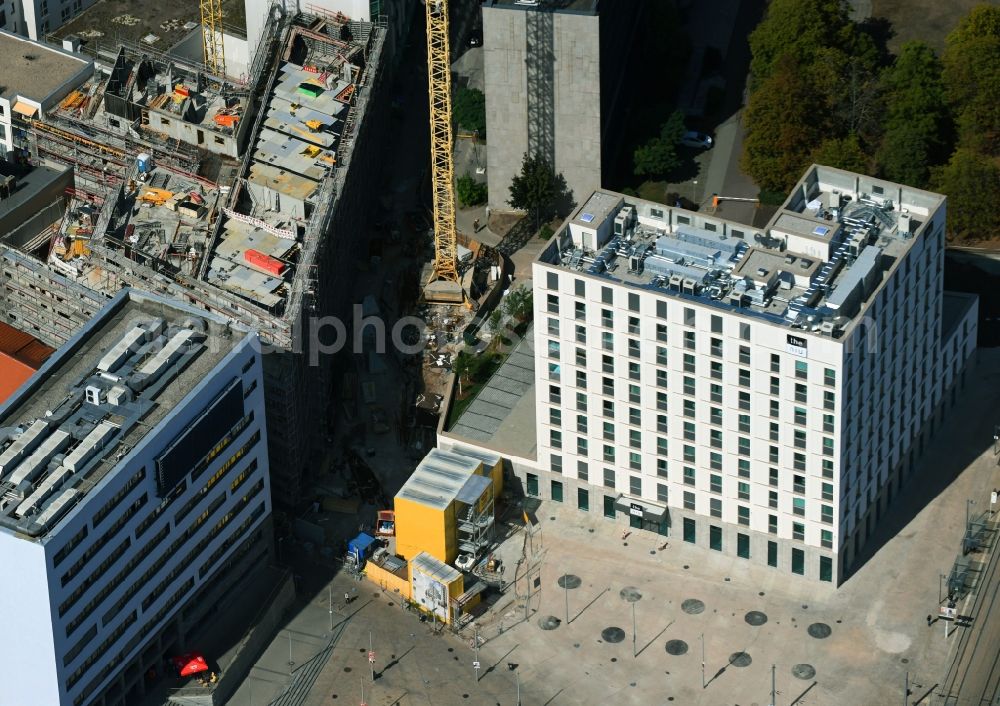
column 244, row 197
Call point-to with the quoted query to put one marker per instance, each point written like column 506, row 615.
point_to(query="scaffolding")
column 476, row 517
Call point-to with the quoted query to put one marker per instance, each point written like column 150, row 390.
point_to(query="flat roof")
column 588, row 7
column 435, row 568
column 37, row 180
column 503, row 413
column 439, row 478
column 32, row 69
column 96, row 397
column 813, row 267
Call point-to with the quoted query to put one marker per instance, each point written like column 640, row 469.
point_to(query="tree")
column 495, row 323
column 842, row 153
column 800, row 28
column 658, row 156
column 971, row 181
column 915, row 116
column 518, row 304
column 460, row 367
column 972, row 78
column 469, row 110
column 537, row 188
column 782, row 128
column 469, row 191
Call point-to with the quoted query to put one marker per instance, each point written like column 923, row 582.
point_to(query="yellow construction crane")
column 211, row 36
column 445, row 266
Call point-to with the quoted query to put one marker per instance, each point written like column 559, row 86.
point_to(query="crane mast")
column 445, row 266
column 211, row 36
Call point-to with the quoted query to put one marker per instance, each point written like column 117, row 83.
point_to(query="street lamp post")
column 566, row 591
column 694, row 191
column 703, row 660
column 633, row 630
column 517, row 680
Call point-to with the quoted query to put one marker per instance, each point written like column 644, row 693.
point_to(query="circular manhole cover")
column 549, row 622
column 630, row 594
column 569, row 581
column 820, row 630
column 803, row 671
column 676, row 647
column 740, row 659
column 755, row 618
column 612, row 635
column 692, row 606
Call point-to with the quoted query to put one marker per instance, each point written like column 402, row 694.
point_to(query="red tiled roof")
column 23, row 346
column 13, row 373
column 21, row 354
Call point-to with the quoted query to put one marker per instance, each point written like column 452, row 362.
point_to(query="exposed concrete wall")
column 577, row 89
column 576, row 103
column 506, row 106
column 235, row 49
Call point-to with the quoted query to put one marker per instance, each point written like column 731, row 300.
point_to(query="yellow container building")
column 447, row 506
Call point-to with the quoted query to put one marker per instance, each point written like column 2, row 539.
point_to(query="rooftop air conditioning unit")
column 903, row 224
column 94, row 395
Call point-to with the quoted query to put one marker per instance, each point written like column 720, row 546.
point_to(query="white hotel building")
column 133, row 494
column 759, row 392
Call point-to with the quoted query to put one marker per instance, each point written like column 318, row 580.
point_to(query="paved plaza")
column 642, row 608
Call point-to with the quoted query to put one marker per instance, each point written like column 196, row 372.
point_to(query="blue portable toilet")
column 144, row 162
column 361, row 548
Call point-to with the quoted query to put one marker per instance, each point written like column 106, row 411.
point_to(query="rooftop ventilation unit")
column 91, row 444
column 157, row 365
column 127, row 346
column 903, row 224
column 36, row 462
column 22, row 446
column 119, row 395
column 57, row 507
column 44, row 490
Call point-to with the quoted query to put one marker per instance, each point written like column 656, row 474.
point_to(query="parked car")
column 698, row 140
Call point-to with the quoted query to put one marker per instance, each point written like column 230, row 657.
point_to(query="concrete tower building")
column 764, row 393
column 553, row 73
column 133, row 494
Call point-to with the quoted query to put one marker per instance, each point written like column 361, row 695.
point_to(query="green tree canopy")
column 971, row 181
column 915, row 116
column 782, row 128
column 972, row 78
column 843, row 153
column 801, row 28
column 469, row 110
column 469, row 191
column 658, row 156
column 537, row 188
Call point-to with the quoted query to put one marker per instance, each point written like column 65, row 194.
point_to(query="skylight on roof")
column 821, row 231
column 587, row 217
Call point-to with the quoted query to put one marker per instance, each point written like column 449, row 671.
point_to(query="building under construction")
column 242, row 197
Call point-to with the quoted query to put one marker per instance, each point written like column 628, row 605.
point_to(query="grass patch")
column 481, row 369
column 652, row 191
